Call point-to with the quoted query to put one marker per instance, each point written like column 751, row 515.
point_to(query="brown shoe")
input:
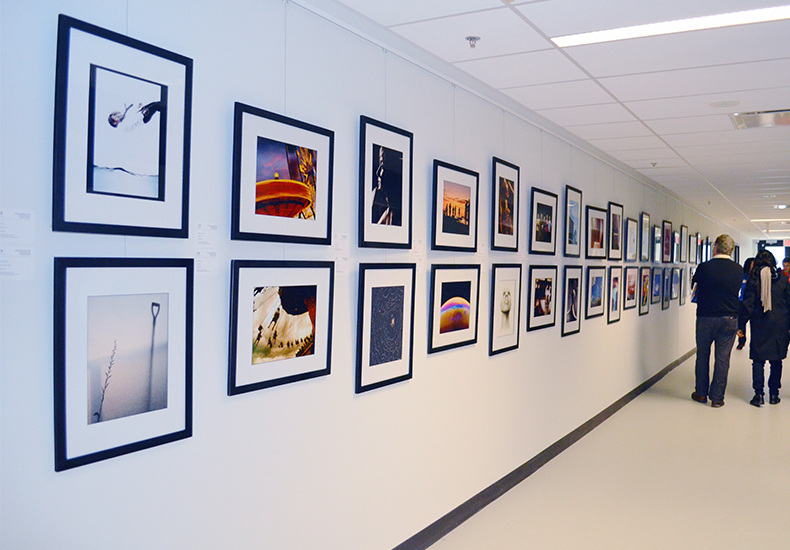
column 716, row 404
column 699, row 398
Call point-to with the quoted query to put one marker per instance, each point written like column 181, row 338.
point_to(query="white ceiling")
column 647, row 101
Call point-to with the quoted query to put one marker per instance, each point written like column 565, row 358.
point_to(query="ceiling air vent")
column 760, row 119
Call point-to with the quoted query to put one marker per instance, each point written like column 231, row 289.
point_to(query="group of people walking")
column 728, row 297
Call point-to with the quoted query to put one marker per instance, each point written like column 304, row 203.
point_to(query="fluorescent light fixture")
column 671, row 27
column 760, row 119
column 774, row 220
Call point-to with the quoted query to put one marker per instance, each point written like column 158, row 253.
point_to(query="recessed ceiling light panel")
column 760, row 119
column 671, row 27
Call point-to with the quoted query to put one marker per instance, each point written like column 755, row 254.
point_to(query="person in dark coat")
column 766, row 305
column 747, row 269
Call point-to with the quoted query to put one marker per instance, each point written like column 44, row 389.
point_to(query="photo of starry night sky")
column 386, row 324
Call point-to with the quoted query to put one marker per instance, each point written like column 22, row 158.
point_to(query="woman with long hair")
column 766, row 305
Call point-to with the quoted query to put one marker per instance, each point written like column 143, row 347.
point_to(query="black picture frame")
column 683, row 287
column 595, row 229
column 385, row 185
column 666, row 291
column 455, row 206
column 505, row 205
column 282, row 178
column 630, row 287
column 297, row 297
column 675, row 292
column 667, row 242
column 543, row 222
column 385, row 325
column 615, row 223
column 657, row 285
column 657, row 241
column 454, row 305
column 596, row 292
column 644, row 290
column 107, row 178
column 572, row 300
column 684, row 243
column 692, row 249
column 106, row 314
column 631, row 252
column 505, row 318
column 614, row 303
column 573, row 222
column 645, row 237
column 542, row 304
column 676, row 247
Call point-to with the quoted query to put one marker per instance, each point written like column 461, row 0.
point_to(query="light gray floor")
column 663, row 473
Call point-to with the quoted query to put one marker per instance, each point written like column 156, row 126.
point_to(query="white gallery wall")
column 309, row 464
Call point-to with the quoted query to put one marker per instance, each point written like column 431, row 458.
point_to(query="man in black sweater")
column 718, row 282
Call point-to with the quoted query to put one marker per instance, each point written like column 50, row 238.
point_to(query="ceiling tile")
column 560, row 94
column 758, row 100
column 627, row 144
column 692, row 125
column 753, row 135
column 523, row 69
column 501, row 32
column 656, row 154
column 706, row 80
column 734, row 149
column 591, row 114
column 406, row 11
column 612, row 130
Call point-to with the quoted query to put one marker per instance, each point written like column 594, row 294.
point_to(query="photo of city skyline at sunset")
column 455, row 209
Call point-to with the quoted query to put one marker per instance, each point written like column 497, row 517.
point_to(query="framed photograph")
column 455, row 195
column 682, row 284
column 596, row 283
column 282, row 178
column 658, row 284
column 657, row 244
column 123, row 356
column 644, row 290
column 684, row 243
column 122, row 135
column 644, row 248
column 543, row 232
column 736, row 255
column 455, row 296
column 667, row 242
column 505, row 209
column 666, row 291
column 675, row 283
column 385, row 325
column 615, row 293
column 615, row 217
column 631, row 240
column 542, row 297
column 675, row 247
column 708, row 249
column 572, row 300
column 692, row 249
column 700, row 253
column 385, row 185
column 631, row 285
column 573, row 222
column 596, row 233
column 280, row 323
column 505, row 307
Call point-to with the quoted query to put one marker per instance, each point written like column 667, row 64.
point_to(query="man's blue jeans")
column 720, row 332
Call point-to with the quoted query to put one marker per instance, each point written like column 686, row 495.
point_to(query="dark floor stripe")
column 456, row 517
